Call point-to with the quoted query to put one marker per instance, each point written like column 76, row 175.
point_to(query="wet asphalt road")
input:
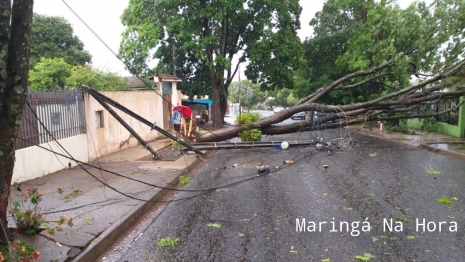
column 256, row 220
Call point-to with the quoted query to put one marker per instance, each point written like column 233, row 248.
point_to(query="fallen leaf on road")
column 215, row 225
column 434, row 171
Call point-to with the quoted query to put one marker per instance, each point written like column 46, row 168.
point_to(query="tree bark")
column 216, row 107
column 14, row 50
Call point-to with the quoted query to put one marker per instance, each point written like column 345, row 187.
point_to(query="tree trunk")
column 224, row 101
column 364, row 111
column 216, row 107
column 14, row 51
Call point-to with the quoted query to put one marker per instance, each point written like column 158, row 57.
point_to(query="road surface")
column 375, row 200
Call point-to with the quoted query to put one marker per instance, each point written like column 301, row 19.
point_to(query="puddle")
column 452, row 149
column 441, row 146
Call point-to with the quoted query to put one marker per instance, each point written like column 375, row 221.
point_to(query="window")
column 55, row 118
column 99, row 119
column 167, row 88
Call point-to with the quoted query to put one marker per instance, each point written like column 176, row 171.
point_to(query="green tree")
column 194, row 74
column 249, row 94
column 356, row 35
column 52, row 37
column 212, row 33
column 332, row 27
column 281, row 97
column 15, row 30
column 96, row 79
column 385, row 47
column 49, row 74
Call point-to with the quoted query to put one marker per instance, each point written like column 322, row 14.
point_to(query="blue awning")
column 198, row 101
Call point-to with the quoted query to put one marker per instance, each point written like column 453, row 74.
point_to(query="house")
column 166, row 86
column 136, row 83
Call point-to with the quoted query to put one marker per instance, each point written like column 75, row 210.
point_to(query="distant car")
column 278, row 109
column 318, row 116
column 300, row 115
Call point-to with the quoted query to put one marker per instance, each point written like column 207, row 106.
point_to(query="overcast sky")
column 103, row 16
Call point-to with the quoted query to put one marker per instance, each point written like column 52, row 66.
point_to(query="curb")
column 107, row 238
column 444, row 152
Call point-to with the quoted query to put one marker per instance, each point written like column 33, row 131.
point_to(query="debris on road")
column 263, row 169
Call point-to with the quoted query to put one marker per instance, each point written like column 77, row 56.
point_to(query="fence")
column 62, row 113
column 451, row 118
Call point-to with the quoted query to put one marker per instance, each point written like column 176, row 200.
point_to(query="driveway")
column 374, row 201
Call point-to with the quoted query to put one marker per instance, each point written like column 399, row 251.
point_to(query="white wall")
column 113, row 136
column 33, row 162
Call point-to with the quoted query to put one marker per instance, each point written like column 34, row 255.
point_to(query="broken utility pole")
column 139, row 138
column 115, row 104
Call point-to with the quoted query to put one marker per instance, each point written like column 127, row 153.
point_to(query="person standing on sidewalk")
column 176, row 121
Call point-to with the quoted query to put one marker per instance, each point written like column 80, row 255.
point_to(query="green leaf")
column 444, row 200
column 53, row 37
column 214, row 225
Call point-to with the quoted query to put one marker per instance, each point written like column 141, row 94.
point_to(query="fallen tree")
column 396, row 105
column 387, row 49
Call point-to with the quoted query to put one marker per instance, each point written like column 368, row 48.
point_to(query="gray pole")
column 115, row 115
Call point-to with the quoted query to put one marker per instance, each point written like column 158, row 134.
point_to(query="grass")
column 184, row 180
column 459, row 147
column 168, row 242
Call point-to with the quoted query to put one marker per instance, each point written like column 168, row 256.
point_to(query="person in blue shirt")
column 176, row 121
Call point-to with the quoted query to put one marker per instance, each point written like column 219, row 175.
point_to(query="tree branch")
column 323, row 91
column 341, row 87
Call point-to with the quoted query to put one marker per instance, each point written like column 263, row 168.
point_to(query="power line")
column 80, row 163
column 127, row 66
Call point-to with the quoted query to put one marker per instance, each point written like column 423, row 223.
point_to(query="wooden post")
column 183, row 124
column 190, row 126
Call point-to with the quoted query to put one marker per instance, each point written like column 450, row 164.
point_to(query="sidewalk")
column 100, row 214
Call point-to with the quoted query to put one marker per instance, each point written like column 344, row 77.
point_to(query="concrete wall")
column 113, row 137
column 444, row 128
column 175, row 95
column 33, row 162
